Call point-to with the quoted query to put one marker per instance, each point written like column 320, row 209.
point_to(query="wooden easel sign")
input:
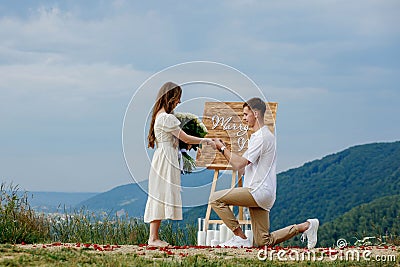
column 224, row 120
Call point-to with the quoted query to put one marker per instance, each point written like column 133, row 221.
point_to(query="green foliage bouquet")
column 191, row 125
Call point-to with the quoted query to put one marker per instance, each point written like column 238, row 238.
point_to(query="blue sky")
column 68, row 70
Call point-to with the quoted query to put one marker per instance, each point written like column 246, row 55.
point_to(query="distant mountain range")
column 125, row 199
column 131, row 198
column 348, row 191
column 49, row 202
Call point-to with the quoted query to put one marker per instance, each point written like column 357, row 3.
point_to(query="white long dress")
column 164, row 199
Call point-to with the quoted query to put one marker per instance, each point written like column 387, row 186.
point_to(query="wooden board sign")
column 224, row 120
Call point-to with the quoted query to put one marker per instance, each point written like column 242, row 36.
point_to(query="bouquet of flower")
column 191, row 125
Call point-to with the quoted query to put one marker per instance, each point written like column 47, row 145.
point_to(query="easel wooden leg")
column 240, row 184
column 233, row 183
column 207, row 220
column 208, row 213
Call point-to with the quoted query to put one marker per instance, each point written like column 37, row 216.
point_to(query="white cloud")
column 64, row 91
column 70, row 79
column 118, row 38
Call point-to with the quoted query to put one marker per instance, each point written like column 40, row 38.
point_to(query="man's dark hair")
column 256, row 104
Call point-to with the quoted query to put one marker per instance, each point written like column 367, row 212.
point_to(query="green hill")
column 380, row 217
column 329, row 187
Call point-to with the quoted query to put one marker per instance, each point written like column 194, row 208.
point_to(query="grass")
column 86, row 227
column 18, row 222
column 16, row 256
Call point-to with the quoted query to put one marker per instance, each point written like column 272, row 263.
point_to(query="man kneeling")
column 259, row 190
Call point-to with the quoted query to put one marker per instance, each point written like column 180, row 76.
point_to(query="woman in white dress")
column 164, row 196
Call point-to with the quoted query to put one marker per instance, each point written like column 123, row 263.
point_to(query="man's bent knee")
column 217, row 204
column 213, row 198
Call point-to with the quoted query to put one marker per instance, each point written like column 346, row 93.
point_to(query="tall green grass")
column 20, row 223
column 87, row 227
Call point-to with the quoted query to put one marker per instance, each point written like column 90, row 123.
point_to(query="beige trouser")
column 241, row 196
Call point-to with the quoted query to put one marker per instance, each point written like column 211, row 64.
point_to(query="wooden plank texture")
column 224, row 120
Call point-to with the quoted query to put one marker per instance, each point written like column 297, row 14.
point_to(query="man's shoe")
column 311, row 233
column 237, row 241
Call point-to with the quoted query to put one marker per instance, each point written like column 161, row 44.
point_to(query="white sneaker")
column 237, row 241
column 311, row 233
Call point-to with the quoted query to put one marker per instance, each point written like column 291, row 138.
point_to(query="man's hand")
column 237, row 162
column 218, row 143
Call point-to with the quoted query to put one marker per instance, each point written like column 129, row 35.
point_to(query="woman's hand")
column 210, row 142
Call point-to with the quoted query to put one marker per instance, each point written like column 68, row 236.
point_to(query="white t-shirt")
column 260, row 174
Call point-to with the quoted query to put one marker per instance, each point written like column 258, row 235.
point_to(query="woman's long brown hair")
column 167, row 96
